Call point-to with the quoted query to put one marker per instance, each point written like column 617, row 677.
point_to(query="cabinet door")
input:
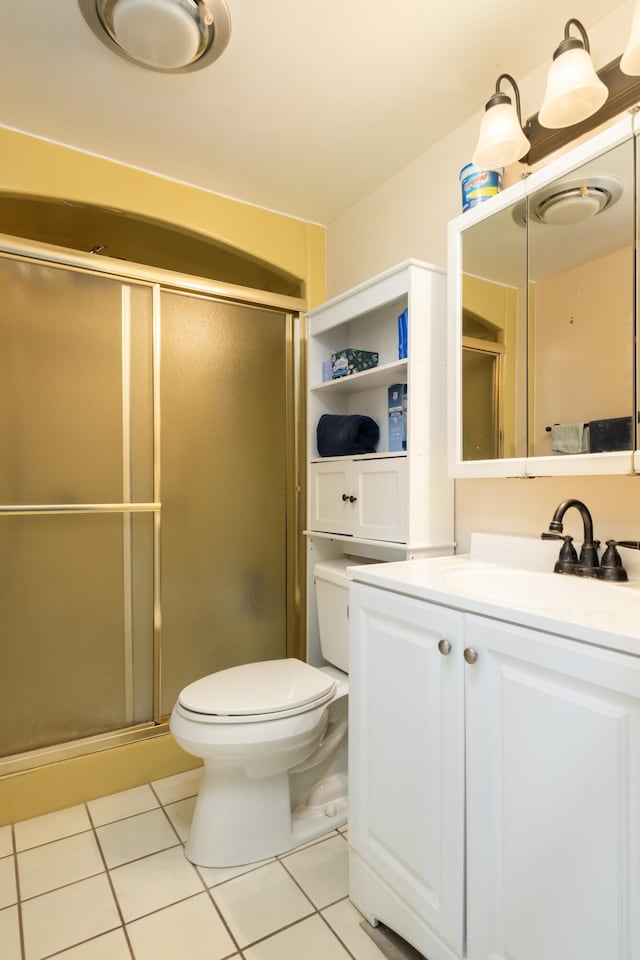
column 329, row 484
column 380, row 489
column 553, row 781
column 406, row 768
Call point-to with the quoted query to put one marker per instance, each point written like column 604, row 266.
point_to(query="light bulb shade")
column 574, row 90
column 501, row 140
column 630, row 62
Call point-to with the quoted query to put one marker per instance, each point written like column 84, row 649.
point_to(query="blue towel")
column 342, row 436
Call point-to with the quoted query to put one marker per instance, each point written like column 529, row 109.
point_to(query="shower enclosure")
column 149, row 512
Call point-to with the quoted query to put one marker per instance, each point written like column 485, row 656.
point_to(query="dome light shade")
column 501, row 140
column 574, row 89
column 167, row 35
column 630, row 62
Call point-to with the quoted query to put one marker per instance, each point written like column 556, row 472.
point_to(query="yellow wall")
column 36, row 167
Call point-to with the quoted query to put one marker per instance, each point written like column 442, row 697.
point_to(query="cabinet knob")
column 345, row 497
column 352, row 499
column 470, row 655
column 444, row 647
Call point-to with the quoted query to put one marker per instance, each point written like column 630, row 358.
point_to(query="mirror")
column 547, row 299
column 494, row 363
column 581, row 308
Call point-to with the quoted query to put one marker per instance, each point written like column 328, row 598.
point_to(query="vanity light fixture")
column 630, row 62
column 574, row 89
column 501, row 140
column 172, row 36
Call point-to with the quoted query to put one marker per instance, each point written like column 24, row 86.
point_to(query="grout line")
column 18, row 897
column 334, row 932
column 110, row 882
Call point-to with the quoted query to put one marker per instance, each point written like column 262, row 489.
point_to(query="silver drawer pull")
column 470, row 655
column 444, row 647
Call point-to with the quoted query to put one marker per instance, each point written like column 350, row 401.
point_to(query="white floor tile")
column 181, row 815
column 110, row 946
column 56, row 864
column 190, row 929
column 311, row 939
column 345, row 920
column 135, row 837
column 261, row 902
column 6, row 842
column 8, row 893
column 322, row 870
column 51, row 826
column 10, row 934
column 117, row 806
column 68, row 916
column 154, row 882
column 179, row 786
column 212, row 876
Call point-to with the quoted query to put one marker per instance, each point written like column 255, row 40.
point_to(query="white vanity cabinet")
column 364, row 497
column 538, row 856
column 406, row 768
column 553, row 797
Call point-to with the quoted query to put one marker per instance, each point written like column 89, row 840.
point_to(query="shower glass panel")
column 65, row 666
column 76, row 450
column 224, row 494
column 61, row 370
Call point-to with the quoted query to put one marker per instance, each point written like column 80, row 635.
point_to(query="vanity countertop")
column 511, row 578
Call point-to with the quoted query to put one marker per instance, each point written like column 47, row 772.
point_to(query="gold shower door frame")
column 160, row 281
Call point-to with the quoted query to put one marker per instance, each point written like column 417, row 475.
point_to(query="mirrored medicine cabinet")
column 542, row 320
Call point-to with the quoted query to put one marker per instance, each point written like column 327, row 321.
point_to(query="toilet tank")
column 332, row 596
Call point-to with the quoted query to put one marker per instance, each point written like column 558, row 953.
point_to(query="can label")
column 478, row 185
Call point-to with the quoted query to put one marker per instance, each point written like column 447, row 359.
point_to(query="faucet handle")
column 611, row 564
column 567, row 561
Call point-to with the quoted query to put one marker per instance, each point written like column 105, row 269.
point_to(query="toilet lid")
column 269, row 686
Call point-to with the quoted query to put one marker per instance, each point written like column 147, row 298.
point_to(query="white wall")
column 407, row 217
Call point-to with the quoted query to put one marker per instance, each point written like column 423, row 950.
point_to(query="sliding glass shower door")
column 144, row 497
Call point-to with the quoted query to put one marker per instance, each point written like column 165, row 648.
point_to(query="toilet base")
column 264, row 826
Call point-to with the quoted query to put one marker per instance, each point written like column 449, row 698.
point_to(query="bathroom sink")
column 585, row 599
column 512, row 578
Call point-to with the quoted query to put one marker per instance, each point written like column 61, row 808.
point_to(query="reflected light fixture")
column 172, row 36
column 501, row 140
column 574, row 89
column 630, row 62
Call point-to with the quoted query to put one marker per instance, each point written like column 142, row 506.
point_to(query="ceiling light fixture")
column 501, row 140
column 570, row 202
column 172, row 36
column 574, row 89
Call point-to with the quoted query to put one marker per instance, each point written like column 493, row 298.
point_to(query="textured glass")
column 64, row 664
column 60, row 386
column 223, row 457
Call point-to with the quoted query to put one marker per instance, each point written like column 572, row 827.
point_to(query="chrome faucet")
column 587, row 564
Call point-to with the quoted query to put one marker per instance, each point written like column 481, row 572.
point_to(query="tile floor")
column 108, row 880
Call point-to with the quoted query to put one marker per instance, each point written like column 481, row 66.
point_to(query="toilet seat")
column 267, row 690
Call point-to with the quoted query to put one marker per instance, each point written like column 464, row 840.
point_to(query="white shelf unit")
column 403, row 501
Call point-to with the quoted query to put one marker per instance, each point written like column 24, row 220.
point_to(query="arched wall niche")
column 125, row 236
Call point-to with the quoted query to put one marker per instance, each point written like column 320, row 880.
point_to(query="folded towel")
column 342, row 436
column 569, row 438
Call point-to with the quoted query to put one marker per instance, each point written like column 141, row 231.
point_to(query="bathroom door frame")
column 13, row 248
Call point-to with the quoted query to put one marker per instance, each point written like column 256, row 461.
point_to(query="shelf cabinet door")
column 380, row 507
column 406, row 768
column 553, row 786
column 329, row 483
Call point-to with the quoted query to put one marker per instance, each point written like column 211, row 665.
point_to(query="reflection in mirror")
column 494, row 372
column 581, row 305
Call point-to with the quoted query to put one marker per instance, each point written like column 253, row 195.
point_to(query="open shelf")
column 381, row 376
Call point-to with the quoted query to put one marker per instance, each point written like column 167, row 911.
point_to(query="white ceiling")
column 313, row 104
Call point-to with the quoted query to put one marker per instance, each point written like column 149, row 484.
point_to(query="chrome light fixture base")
column 168, row 36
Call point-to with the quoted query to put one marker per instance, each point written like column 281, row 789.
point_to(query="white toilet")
column 273, row 738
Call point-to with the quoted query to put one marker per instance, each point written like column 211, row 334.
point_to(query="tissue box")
column 346, row 362
column 397, row 417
